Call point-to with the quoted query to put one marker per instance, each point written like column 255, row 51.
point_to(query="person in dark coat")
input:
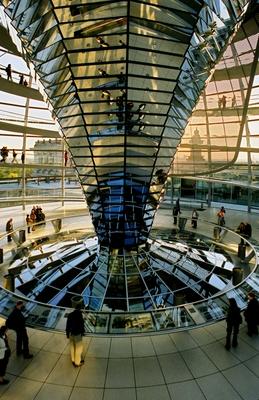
column 75, row 330
column 177, row 206
column 251, row 314
column 233, row 320
column 16, row 321
column 8, row 70
column 248, row 230
column 5, row 353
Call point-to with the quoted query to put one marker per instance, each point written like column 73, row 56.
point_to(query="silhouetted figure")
column 233, row 320
column 248, row 230
column 177, row 205
column 22, row 158
column 14, row 160
column 16, row 321
column 224, row 101
column 121, row 78
column 75, row 331
column 65, row 157
column 251, row 314
column 21, row 81
column 9, row 229
column 241, row 231
column 5, row 353
column 233, row 102
column 4, row 153
column 25, row 83
column 8, row 70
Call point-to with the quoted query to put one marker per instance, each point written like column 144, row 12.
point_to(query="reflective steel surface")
column 177, row 280
column 115, row 75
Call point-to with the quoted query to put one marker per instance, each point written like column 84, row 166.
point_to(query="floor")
column 183, row 365
column 188, row 365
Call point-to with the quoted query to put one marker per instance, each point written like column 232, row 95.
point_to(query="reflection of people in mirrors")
column 233, row 102
column 9, row 229
column 195, row 216
column 102, row 72
column 101, row 42
column 8, row 71
column 65, row 157
column 224, row 101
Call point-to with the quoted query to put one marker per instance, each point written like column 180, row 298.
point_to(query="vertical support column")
column 172, row 194
column 209, row 194
column 244, row 124
column 26, row 115
column 63, row 174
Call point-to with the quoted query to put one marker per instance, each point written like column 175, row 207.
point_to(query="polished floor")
column 188, row 365
column 191, row 365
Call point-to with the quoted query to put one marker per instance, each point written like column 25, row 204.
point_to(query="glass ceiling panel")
column 131, row 74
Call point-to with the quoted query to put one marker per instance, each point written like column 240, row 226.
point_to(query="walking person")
column 9, row 229
column 14, row 160
column 8, row 71
column 16, row 321
column 251, row 314
column 233, row 320
column 5, row 353
column 74, row 331
column 22, row 158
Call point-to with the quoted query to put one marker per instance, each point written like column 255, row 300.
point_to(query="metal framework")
column 115, row 74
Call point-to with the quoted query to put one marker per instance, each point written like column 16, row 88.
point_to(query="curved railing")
column 181, row 317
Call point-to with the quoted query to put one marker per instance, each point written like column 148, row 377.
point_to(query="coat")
column 233, row 317
column 16, row 320
column 252, row 311
column 75, row 324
